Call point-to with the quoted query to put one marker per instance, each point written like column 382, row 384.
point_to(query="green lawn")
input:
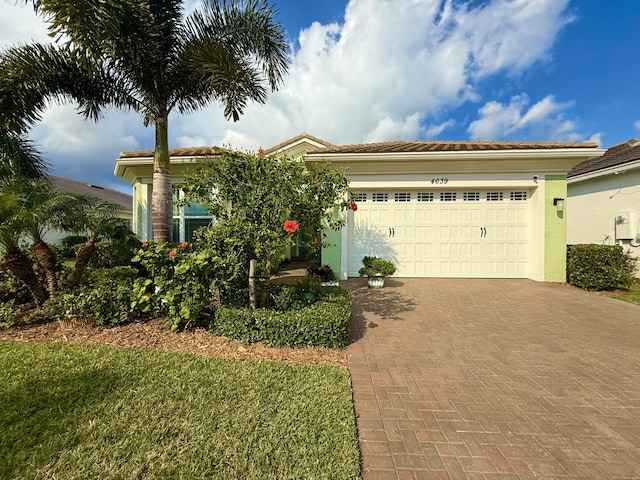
column 93, row 411
column 633, row 296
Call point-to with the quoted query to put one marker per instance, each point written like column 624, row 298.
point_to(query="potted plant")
column 376, row 269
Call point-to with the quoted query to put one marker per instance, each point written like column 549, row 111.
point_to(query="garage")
column 443, row 232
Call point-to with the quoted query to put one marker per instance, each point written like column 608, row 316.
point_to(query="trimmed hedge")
column 325, row 323
column 599, row 267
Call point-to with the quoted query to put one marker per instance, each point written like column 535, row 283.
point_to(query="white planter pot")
column 376, row 282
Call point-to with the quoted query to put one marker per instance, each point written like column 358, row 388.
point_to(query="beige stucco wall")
column 594, row 205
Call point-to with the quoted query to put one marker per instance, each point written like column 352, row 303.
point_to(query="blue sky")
column 376, row 70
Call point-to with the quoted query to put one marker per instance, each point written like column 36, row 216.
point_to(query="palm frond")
column 19, row 157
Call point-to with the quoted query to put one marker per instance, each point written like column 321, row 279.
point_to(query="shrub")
column 106, row 300
column 9, row 314
column 325, row 323
column 325, row 273
column 599, row 267
column 12, row 288
column 373, row 266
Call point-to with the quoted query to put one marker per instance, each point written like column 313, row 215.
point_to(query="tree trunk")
column 49, row 263
column 161, row 197
column 85, row 252
column 20, row 265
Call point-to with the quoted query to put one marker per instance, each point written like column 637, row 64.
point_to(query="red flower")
column 290, row 226
column 316, row 240
column 172, row 254
column 145, row 244
column 184, row 244
column 353, row 206
column 261, row 151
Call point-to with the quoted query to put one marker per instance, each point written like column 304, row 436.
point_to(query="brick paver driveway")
column 495, row 379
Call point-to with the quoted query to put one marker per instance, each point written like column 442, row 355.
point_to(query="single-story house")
column 104, row 194
column 434, row 208
column 604, row 198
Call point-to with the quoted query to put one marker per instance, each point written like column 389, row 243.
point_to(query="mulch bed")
column 154, row 334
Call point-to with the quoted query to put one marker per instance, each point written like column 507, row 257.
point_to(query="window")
column 361, row 197
column 495, row 196
column 517, row 196
column 448, row 196
column 380, row 197
column 471, row 196
column 402, row 197
column 186, row 219
column 425, row 197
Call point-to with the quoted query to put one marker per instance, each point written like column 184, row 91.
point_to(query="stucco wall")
column 594, row 205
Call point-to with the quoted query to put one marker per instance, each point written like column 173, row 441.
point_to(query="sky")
column 382, row 70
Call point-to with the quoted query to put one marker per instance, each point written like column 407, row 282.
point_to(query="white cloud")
column 390, row 70
column 544, row 120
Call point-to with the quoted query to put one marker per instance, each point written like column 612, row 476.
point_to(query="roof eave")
column 603, row 172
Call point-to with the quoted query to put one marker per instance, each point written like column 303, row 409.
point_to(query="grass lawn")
column 633, row 296
column 94, row 411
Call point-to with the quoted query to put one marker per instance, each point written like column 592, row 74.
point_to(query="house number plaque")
column 439, row 181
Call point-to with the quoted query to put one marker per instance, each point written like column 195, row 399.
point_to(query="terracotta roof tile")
column 295, row 139
column 619, row 154
column 446, row 146
column 204, row 151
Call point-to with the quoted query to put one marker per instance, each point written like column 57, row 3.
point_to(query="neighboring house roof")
column 446, row 146
column 616, row 155
column 104, row 194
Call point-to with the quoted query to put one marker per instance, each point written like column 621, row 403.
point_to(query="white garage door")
column 453, row 233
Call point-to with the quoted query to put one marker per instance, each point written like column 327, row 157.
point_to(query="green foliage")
column 10, row 314
column 600, row 267
column 325, row 323
column 256, row 195
column 104, row 300
column 296, row 296
column 376, row 266
column 13, row 289
column 109, row 254
column 180, row 279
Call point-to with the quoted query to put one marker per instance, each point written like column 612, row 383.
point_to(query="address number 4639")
column 439, row 181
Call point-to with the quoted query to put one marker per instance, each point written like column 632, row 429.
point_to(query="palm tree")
column 11, row 229
column 147, row 56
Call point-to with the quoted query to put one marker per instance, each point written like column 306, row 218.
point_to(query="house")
column 434, row 208
column 604, row 198
column 66, row 185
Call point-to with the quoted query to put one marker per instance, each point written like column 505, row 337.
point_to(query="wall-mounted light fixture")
column 559, row 204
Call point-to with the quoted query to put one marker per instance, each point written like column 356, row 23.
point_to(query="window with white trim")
column 495, row 196
column 361, row 197
column 425, row 196
column 379, row 197
column 448, row 196
column 187, row 218
column 402, row 197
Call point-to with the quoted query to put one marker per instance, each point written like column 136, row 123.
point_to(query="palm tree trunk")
column 161, row 197
column 85, row 252
column 20, row 265
column 49, row 263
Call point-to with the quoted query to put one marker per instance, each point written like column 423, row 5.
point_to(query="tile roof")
column 619, row 154
column 176, row 152
column 446, row 146
column 67, row 185
column 302, row 136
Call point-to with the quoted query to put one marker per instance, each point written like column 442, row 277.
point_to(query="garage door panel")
column 443, row 238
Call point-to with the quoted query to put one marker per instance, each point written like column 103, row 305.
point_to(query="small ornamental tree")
column 276, row 201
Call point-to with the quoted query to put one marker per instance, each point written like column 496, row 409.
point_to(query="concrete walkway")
column 494, row 379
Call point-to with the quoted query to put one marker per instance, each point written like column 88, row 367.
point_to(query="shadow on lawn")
column 43, row 416
column 387, row 303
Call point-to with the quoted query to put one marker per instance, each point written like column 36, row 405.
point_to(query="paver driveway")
column 494, row 379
